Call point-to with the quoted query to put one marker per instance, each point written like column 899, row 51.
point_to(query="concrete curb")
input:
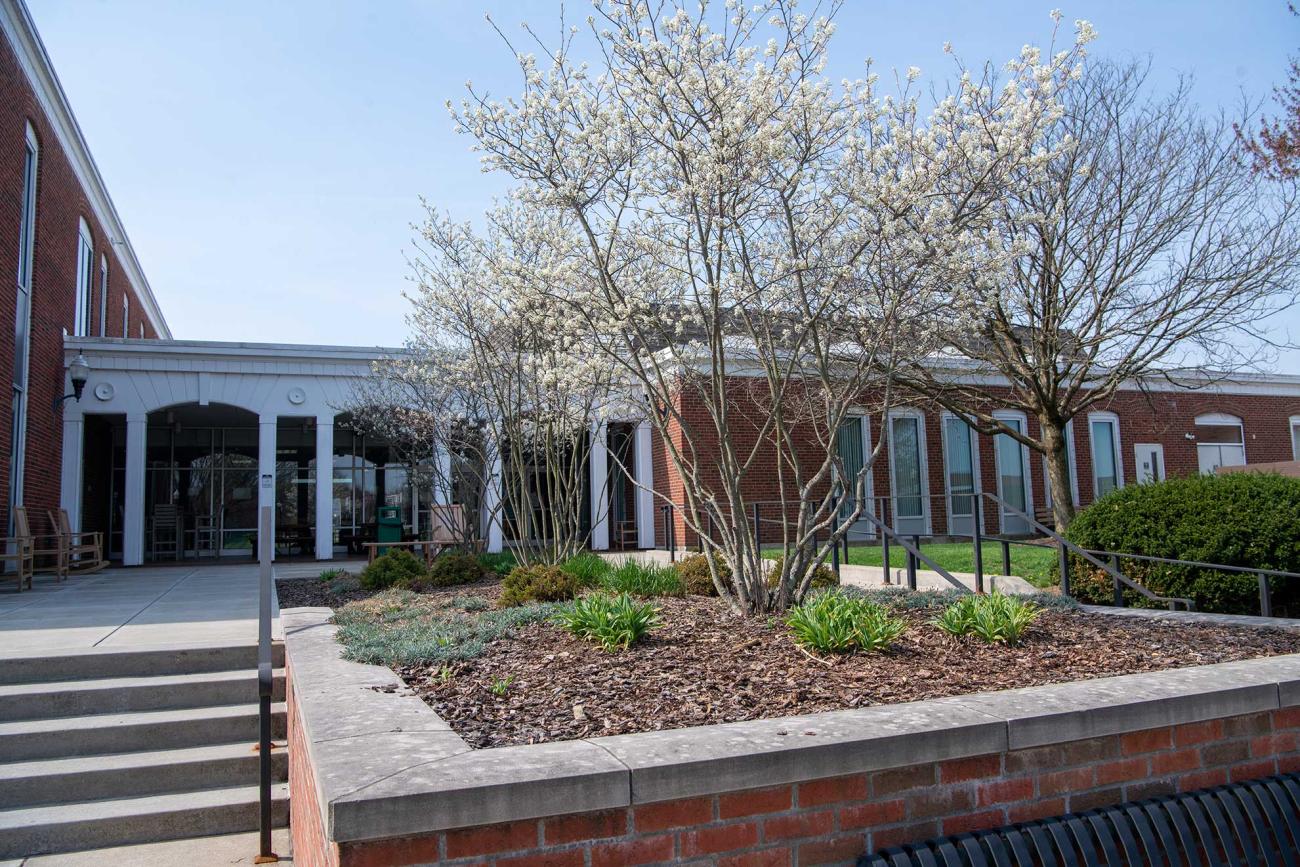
column 386, row 765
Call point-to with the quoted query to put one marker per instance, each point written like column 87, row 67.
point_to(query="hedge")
column 1237, row 519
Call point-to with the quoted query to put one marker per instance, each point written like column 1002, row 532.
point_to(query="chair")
column 207, row 534
column 81, row 552
column 23, row 547
column 627, row 536
column 166, row 531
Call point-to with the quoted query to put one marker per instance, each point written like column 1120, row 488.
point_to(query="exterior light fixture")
column 78, row 372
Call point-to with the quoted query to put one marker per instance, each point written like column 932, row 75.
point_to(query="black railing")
column 265, row 684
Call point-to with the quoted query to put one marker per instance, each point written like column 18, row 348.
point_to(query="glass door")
column 907, row 474
column 960, row 458
column 1013, row 478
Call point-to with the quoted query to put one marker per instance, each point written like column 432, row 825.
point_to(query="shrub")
column 587, row 567
column 613, row 622
column 500, row 563
column 537, row 584
column 331, row 574
column 396, row 567
column 1237, row 519
column 834, row 622
column 694, row 574
column 453, row 568
column 823, row 575
column 643, row 579
column 996, row 618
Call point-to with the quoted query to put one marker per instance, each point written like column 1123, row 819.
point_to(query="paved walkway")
column 185, row 605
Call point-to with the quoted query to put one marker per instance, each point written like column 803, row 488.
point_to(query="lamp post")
column 78, row 372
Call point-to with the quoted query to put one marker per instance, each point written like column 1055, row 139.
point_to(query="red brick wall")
column 835, row 820
column 60, row 204
column 1160, row 417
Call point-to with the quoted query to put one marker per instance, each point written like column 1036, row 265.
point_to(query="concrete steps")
column 132, row 747
column 121, row 821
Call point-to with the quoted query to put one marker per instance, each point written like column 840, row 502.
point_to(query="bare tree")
column 1148, row 248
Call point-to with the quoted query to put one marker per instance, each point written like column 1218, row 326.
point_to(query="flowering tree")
column 755, row 248
column 1274, row 148
column 518, row 397
column 1146, row 247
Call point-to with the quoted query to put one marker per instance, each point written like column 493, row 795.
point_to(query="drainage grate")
column 1256, row 822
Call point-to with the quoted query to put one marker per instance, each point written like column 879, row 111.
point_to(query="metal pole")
column 1064, row 555
column 979, row 542
column 672, row 533
column 1119, row 585
column 1006, row 557
column 758, row 533
column 265, row 673
column 1265, row 600
column 884, row 540
column 911, row 563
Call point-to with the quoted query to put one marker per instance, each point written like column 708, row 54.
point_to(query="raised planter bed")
column 380, row 777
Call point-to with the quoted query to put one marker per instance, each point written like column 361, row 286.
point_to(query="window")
column 1074, row 468
column 1295, row 437
column 910, row 510
column 1107, row 470
column 1012, row 458
column 103, row 296
column 142, row 331
column 961, row 459
column 22, row 320
column 85, row 280
column 851, row 448
column 1220, row 442
column 126, row 315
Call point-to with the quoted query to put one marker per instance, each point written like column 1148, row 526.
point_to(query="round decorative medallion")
column 104, row 390
column 297, row 396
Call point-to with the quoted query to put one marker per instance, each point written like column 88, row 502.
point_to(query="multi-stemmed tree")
column 1146, row 247
column 753, row 248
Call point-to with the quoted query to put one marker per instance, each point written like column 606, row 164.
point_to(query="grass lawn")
column 1035, row 563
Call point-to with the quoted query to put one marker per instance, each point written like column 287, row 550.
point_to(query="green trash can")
column 389, row 526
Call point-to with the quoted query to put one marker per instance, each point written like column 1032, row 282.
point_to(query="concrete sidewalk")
column 869, row 576
column 185, row 605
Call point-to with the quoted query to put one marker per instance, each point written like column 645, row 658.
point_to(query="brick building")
column 69, row 266
column 215, row 430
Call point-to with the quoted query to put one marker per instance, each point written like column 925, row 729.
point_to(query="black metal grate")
column 1256, row 822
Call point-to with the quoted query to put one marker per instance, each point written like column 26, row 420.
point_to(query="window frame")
column 1117, row 446
column 868, row 482
column 923, row 469
column 1072, row 456
column 1294, row 423
column 1221, row 419
column 977, row 478
column 103, row 294
column 126, row 315
column 24, row 279
column 85, row 280
column 1026, row 467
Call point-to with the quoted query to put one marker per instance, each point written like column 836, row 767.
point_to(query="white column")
column 491, row 519
column 70, row 483
column 324, row 487
column 644, row 468
column 133, row 516
column 442, row 477
column 598, row 465
column 266, row 470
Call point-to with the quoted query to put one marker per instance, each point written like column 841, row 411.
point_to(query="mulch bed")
column 703, row 666
column 314, row 593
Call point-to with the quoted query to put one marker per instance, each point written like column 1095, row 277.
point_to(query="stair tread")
column 17, row 690
column 11, row 771
column 148, row 805
column 53, row 725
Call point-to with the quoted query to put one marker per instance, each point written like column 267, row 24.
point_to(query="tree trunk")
column 1058, row 471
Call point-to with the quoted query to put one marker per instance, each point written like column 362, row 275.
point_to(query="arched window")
column 85, row 280
column 1220, row 441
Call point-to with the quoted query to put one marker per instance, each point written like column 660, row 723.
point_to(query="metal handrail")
column 265, row 684
column 913, row 554
column 1067, row 545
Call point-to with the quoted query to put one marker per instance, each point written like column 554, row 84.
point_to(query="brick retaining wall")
column 377, row 778
column 834, row 820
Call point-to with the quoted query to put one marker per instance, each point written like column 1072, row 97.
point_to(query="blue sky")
column 268, row 158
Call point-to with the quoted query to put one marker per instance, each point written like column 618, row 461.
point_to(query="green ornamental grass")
column 995, row 618
column 613, row 622
column 834, row 622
